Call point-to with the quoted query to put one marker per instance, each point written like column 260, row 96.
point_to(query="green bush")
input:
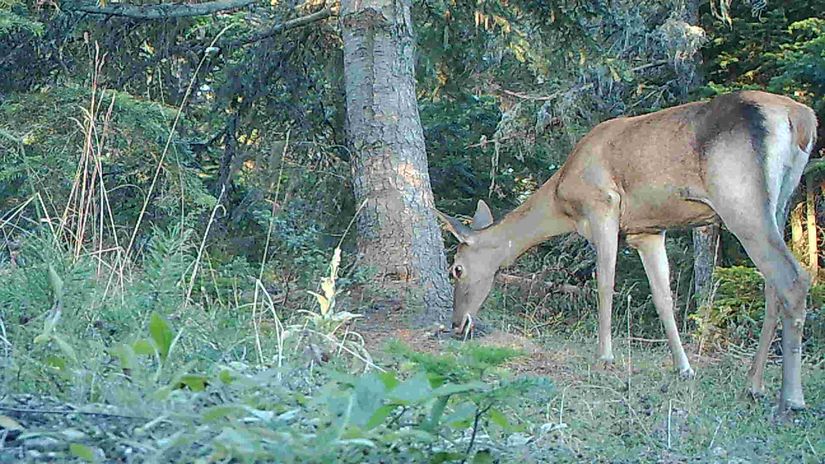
column 736, row 309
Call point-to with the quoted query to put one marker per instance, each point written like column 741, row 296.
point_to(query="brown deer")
column 735, row 159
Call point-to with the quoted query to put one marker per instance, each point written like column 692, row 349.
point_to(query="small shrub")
column 736, row 311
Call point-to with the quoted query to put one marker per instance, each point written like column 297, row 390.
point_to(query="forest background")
column 191, row 261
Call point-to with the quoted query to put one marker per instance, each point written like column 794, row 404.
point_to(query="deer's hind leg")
column 744, row 205
column 756, row 375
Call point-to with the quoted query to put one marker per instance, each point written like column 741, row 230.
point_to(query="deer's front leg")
column 651, row 249
column 604, row 231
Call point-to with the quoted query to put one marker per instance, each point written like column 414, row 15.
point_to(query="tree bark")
column 162, row 10
column 797, row 234
column 398, row 233
column 705, row 251
column 706, row 238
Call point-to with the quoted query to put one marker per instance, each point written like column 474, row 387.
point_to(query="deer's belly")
column 653, row 210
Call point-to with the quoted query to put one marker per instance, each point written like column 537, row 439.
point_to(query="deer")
column 735, row 159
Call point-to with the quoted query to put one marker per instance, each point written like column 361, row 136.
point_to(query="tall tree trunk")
column 706, row 238
column 398, row 233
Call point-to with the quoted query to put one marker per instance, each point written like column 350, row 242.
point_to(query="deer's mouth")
column 465, row 327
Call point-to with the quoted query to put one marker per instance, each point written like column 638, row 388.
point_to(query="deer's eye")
column 458, row 271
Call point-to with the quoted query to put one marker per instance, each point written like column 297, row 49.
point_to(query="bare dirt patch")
column 380, row 327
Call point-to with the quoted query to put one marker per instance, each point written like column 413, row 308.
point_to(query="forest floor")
column 638, row 410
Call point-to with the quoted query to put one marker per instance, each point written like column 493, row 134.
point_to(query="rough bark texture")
column 163, row 10
column 797, row 234
column 397, row 229
column 705, row 250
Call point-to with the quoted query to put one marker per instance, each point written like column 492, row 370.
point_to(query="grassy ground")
column 640, row 411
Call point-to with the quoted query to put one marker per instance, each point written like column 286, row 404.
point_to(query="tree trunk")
column 705, row 251
column 705, row 239
column 797, row 234
column 398, row 233
column 813, row 234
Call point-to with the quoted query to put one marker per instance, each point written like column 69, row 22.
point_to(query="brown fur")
column 736, row 158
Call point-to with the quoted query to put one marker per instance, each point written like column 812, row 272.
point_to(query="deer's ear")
column 461, row 232
column 483, row 216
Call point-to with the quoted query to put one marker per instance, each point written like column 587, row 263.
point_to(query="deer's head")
column 474, row 266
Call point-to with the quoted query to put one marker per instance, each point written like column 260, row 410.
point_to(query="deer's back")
column 657, row 162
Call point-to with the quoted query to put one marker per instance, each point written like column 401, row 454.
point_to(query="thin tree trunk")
column 705, row 251
column 797, row 233
column 398, row 233
column 813, row 234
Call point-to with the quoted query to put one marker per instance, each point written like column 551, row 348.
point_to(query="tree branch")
column 287, row 25
column 164, row 10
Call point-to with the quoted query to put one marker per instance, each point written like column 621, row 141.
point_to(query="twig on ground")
column 59, row 411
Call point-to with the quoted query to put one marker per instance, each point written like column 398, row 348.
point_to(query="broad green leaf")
column 56, row 362
column 444, row 456
column 379, row 416
column 57, row 285
column 126, row 356
column 196, row 383
column 453, row 388
column 498, row 418
column 412, row 390
column 436, row 413
column 483, row 457
column 144, row 347
column 462, row 416
column 369, row 394
column 220, row 412
column 226, row 377
column 48, row 326
column 389, row 379
column 82, row 451
column 161, row 334
column 65, row 347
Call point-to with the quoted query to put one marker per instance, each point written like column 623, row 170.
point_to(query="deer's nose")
column 460, row 327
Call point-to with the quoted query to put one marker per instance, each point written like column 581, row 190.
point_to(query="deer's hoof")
column 603, row 364
column 756, row 392
column 792, row 404
column 687, row 374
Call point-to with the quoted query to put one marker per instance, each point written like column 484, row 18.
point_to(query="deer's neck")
column 536, row 220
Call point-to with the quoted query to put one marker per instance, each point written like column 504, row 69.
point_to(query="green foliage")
column 736, row 310
column 469, row 361
column 45, row 146
column 156, row 368
column 801, row 64
column 15, row 19
column 781, row 50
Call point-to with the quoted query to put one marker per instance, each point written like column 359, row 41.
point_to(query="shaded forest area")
column 216, row 240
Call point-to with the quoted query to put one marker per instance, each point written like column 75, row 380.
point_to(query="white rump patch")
column 781, row 155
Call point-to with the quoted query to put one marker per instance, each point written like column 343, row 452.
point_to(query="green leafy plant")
column 735, row 312
column 320, row 331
